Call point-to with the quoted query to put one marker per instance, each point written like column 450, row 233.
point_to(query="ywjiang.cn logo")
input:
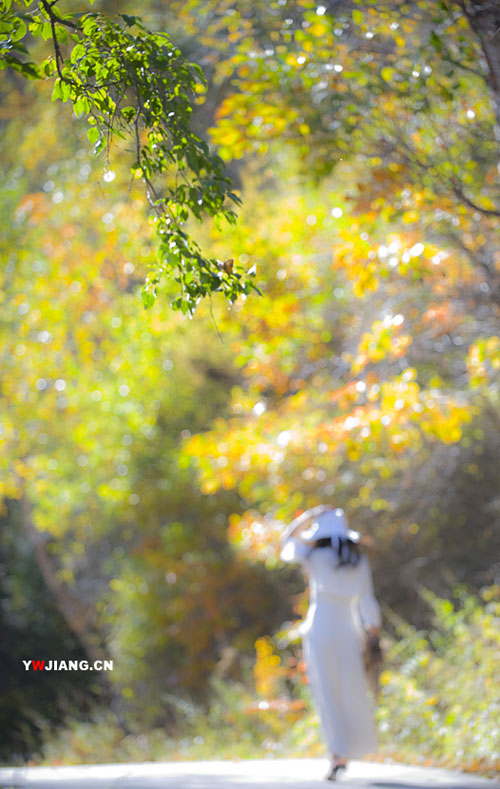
column 68, row 665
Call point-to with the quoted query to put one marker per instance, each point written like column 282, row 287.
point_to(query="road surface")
column 259, row 774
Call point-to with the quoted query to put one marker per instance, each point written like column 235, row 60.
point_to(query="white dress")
column 341, row 602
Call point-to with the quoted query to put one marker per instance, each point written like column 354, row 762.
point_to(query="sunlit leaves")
column 385, row 339
column 134, row 83
column 98, row 396
column 441, row 680
column 268, row 669
column 483, row 361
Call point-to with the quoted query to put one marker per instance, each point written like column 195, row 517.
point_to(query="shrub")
column 439, row 693
column 438, row 702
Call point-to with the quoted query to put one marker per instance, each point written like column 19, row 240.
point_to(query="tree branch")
column 458, row 192
column 54, row 18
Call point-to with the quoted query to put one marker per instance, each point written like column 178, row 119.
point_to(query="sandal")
column 334, row 771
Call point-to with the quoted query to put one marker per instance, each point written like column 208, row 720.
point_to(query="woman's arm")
column 293, row 547
column 298, row 524
column 369, row 608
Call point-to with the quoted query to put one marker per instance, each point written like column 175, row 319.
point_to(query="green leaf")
column 100, row 144
column 56, row 93
column 148, row 297
column 46, row 31
column 77, row 52
column 65, row 91
column 29, row 70
column 129, row 20
column 129, row 113
column 93, row 134
column 21, row 29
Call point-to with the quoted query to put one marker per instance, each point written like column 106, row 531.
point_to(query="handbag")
column 372, row 658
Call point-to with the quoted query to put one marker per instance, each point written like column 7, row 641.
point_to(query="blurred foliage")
column 370, row 364
column 31, row 625
column 148, row 468
column 96, row 399
column 438, row 698
column 438, row 702
column 232, row 727
column 406, row 443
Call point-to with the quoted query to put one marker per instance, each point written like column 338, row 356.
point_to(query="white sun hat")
column 328, row 523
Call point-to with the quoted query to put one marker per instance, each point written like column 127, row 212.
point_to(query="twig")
column 214, row 322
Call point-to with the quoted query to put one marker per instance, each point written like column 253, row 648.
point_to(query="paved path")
column 261, row 774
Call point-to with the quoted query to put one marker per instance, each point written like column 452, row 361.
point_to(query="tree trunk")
column 74, row 612
column 484, row 19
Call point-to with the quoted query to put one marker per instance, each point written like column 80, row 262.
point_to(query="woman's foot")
column 335, row 769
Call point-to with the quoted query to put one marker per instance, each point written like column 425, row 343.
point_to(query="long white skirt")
column 332, row 650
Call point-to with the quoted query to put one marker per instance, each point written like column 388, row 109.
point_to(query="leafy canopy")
column 135, row 84
column 374, row 353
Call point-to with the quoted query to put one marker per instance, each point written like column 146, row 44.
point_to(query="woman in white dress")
column 342, row 609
